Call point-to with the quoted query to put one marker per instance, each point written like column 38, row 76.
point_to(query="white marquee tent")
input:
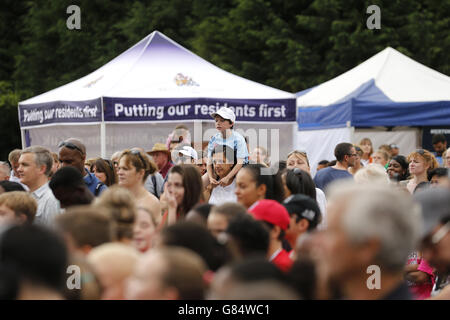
column 140, row 96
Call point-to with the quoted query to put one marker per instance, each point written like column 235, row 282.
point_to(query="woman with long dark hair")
column 255, row 182
column 182, row 191
column 298, row 181
column 104, row 171
column 223, row 160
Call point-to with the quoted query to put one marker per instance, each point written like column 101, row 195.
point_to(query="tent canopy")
column 153, row 85
column 389, row 89
column 144, row 81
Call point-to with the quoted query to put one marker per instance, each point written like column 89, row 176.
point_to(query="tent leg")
column 103, row 133
column 102, row 140
column 22, row 134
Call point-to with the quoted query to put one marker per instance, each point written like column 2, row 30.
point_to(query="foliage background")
column 288, row 44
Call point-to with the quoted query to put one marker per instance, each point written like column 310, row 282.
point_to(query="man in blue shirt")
column 346, row 156
column 72, row 152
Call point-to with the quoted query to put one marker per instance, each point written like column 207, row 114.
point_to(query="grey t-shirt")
column 157, row 182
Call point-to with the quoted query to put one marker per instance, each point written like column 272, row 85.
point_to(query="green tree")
column 9, row 121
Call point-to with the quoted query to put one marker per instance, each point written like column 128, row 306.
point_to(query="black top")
column 401, row 292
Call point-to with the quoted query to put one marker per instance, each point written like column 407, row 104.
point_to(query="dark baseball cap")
column 305, row 207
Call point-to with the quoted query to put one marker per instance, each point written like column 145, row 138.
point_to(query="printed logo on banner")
column 93, row 82
column 182, row 80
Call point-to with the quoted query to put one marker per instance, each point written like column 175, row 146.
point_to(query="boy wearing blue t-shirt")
column 225, row 119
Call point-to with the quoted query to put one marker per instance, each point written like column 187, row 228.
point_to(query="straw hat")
column 159, row 147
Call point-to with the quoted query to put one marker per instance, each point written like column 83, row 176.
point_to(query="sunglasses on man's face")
column 70, row 146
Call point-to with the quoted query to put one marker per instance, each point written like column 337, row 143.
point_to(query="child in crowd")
column 225, row 120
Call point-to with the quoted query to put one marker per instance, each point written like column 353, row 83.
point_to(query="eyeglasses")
column 70, row 146
column 352, row 154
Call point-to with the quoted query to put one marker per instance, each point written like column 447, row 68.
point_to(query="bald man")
column 72, row 152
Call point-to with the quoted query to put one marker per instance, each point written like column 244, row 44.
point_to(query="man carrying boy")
column 225, row 120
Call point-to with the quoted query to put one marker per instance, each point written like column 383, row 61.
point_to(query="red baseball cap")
column 271, row 211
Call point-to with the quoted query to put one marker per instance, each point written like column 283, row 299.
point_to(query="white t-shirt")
column 221, row 195
column 365, row 162
column 322, row 202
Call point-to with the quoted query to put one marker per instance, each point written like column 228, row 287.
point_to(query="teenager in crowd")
column 182, row 192
column 252, row 185
column 367, row 148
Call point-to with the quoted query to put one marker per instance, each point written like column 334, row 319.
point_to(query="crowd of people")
column 174, row 222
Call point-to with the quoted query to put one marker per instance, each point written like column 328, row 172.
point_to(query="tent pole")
column 352, row 134
column 22, row 134
column 103, row 133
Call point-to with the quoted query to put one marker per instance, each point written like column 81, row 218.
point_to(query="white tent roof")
column 399, row 77
column 149, row 69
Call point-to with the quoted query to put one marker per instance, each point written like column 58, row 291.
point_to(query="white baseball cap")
column 225, row 113
column 189, row 151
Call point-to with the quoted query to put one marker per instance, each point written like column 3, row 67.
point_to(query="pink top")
column 423, row 290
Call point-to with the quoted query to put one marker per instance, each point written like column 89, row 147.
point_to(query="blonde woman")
column 420, row 163
column 134, row 168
